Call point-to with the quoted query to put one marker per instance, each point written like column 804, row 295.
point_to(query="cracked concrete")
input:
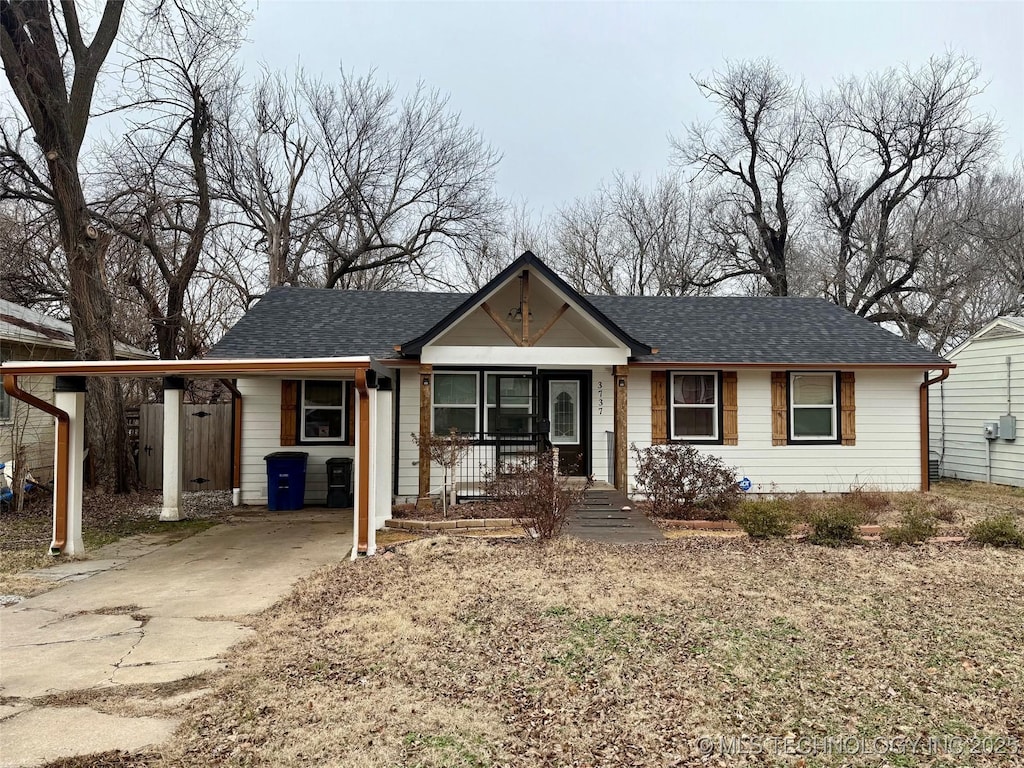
column 142, row 613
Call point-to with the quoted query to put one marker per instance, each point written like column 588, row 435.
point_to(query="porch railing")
column 493, row 455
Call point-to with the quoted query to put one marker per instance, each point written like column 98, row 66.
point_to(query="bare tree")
column 53, row 72
column 635, row 239
column 751, row 155
column 338, row 180
column 160, row 182
column 884, row 145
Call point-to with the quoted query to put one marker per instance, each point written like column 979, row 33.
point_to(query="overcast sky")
column 569, row 92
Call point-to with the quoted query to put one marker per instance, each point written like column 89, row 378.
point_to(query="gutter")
column 925, row 481
column 60, row 495
column 236, row 441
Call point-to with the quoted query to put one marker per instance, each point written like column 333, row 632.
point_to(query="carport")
column 373, row 409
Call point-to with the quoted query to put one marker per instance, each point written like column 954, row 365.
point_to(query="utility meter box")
column 991, row 430
column 1008, row 427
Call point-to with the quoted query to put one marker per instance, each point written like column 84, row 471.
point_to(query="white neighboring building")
column 986, row 388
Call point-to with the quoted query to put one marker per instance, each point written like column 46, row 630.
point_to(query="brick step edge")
column 447, row 525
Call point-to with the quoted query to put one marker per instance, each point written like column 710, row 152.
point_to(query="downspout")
column 362, row 511
column 236, row 441
column 925, row 480
column 60, row 495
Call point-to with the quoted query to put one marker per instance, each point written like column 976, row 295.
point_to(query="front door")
column 567, row 407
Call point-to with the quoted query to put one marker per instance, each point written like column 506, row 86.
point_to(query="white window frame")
column 475, row 406
column 488, row 404
column 303, row 408
column 834, row 436
column 715, row 408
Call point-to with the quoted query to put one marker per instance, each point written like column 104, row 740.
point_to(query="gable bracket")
column 550, row 324
column 502, row 324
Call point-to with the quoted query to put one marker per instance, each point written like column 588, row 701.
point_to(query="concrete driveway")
column 136, row 618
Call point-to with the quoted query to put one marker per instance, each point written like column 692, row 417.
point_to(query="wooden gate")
column 207, row 446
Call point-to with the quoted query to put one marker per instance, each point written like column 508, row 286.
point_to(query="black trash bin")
column 286, row 480
column 339, row 482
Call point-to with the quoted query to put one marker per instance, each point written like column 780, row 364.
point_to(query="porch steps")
column 607, row 516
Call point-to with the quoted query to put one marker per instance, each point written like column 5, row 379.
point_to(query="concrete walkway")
column 142, row 613
column 606, row 515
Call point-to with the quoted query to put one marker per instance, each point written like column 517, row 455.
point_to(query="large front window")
column 812, row 406
column 323, row 411
column 695, row 405
column 455, row 403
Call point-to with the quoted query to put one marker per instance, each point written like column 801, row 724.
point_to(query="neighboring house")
column 976, row 413
column 26, row 334
column 796, row 393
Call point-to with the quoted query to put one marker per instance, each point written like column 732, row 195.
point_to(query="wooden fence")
column 207, row 446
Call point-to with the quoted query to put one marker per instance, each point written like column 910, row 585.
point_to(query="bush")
column 915, row 526
column 681, row 482
column 868, row 504
column 835, row 524
column 997, row 531
column 767, row 519
column 534, row 496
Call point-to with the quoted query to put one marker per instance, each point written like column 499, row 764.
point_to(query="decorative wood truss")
column 522, row 338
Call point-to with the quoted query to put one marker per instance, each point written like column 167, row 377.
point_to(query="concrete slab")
column 82, row 635
column 75, row 570
column 608, row 517
column 42, row 735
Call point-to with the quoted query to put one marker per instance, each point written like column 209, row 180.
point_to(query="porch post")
column 174, row 447
column 425, row 383
column 69, row 396
column 383, row 435
column 621, row 377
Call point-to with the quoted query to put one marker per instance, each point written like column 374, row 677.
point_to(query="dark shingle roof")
column 309, row 322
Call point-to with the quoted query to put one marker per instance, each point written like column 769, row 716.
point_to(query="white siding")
column 261, row 434
column 886, row 456
column 975, row 393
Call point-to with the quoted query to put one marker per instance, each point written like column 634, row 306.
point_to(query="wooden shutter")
column 289, row 411
column 350, row 413
column 659, row 411
column 780, row 408
column 848, row 404
column 730, row 423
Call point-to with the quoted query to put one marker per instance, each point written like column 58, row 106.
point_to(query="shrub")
column 997, row 531
column 915, row 526
column 834, row 525
column 766, row 519
column 681, row 482
column 866, row 503
column 534, row 496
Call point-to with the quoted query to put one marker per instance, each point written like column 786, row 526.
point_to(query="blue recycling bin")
column 286, row 480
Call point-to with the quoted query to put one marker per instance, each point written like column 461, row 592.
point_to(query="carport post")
column 69, row 396
column 174, row 447
column 383, row 436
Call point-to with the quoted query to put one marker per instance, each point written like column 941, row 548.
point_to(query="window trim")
column 434, row 405
column 718, row 408
column 836, row 437
column 301, row 407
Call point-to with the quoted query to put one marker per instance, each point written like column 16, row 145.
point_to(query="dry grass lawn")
column 465, row 652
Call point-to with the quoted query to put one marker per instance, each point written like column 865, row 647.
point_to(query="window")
column 813, row 407
column 695, row 405
column 509, row 403
column 565, row 412
column 323, row 416
column 455, row 403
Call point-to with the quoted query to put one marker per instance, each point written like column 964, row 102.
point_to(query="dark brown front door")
column 566, row 405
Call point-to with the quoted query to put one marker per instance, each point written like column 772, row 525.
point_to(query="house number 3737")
column 600, row 398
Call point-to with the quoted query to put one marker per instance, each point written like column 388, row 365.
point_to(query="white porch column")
column 383, row 433
column 371, row 404
column 358, row 404
column 69, row 396
column 174, row 447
